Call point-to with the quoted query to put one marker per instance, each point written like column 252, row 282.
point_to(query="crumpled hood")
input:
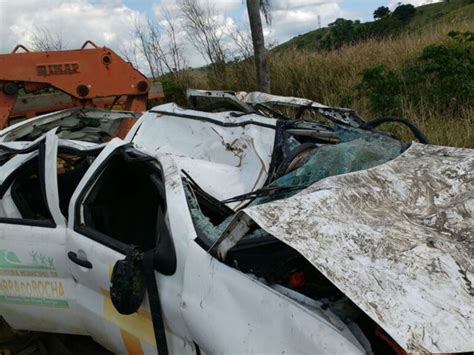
column 397, row 239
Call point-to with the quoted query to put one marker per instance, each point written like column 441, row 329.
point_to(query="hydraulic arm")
column 84, row 74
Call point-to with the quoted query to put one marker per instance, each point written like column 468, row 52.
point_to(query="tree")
column 253, row 8
column 204, row 32
column 42, row 39
column 147, row 35
column 173, row 53
column 341, row 32
column 130, row 52
column 404, row 12
column 159, row 46
column 242, row 42
column 381, row 12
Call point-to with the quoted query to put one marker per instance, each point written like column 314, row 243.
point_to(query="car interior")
column 123, row 203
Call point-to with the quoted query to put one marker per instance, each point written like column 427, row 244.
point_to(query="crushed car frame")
column 236, row 226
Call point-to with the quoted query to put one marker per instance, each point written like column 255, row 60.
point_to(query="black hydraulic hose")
column 414, row 129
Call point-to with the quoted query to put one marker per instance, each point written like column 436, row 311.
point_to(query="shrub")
column 341, row 32
column 170, row 88
column 383, row 89
column 442, row 77
column 447, row 74
column 346, row 32
column 384, row 27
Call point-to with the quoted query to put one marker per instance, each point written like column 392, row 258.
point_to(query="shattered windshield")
column 308, row 156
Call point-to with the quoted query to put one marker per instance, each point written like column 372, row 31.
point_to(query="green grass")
column 308, row 40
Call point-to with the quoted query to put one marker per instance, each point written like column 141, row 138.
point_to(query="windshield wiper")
column 264, row 191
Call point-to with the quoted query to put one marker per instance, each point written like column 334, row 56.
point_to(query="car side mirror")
column 131, row 277
column 128, row 283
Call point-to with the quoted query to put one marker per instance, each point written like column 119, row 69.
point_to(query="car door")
column 35, row 285
column 112, row 210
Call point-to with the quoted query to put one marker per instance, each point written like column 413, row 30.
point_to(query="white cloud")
column 221, row 6
column 394, row 3
column 290, row 18
column 106, row 23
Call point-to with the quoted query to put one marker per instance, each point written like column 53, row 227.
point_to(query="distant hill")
column 343, row 32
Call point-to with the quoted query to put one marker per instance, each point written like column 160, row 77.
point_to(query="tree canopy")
column 381, row 12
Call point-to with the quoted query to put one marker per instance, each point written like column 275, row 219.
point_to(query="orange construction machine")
column 90, row 76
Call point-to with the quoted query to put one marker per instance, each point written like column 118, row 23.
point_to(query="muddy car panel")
column 412, row 272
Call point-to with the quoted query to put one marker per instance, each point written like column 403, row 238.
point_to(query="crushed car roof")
column 226, row 154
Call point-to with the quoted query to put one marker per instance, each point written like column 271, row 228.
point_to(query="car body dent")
column 209, row 152
column 246, row 316
column 210, row 296
column 409, row 270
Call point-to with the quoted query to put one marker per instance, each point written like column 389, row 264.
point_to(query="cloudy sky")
column 110, row 22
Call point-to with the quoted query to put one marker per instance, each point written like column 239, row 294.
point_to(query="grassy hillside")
column 425, row 16
column 442, row 12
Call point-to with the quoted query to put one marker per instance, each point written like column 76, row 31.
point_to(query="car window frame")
column 61, row 149
column 39, row 149
column 79, row 225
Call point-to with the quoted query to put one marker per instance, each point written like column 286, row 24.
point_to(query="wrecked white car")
column 231, row 228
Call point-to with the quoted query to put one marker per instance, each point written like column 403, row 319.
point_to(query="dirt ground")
column 14, row 342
